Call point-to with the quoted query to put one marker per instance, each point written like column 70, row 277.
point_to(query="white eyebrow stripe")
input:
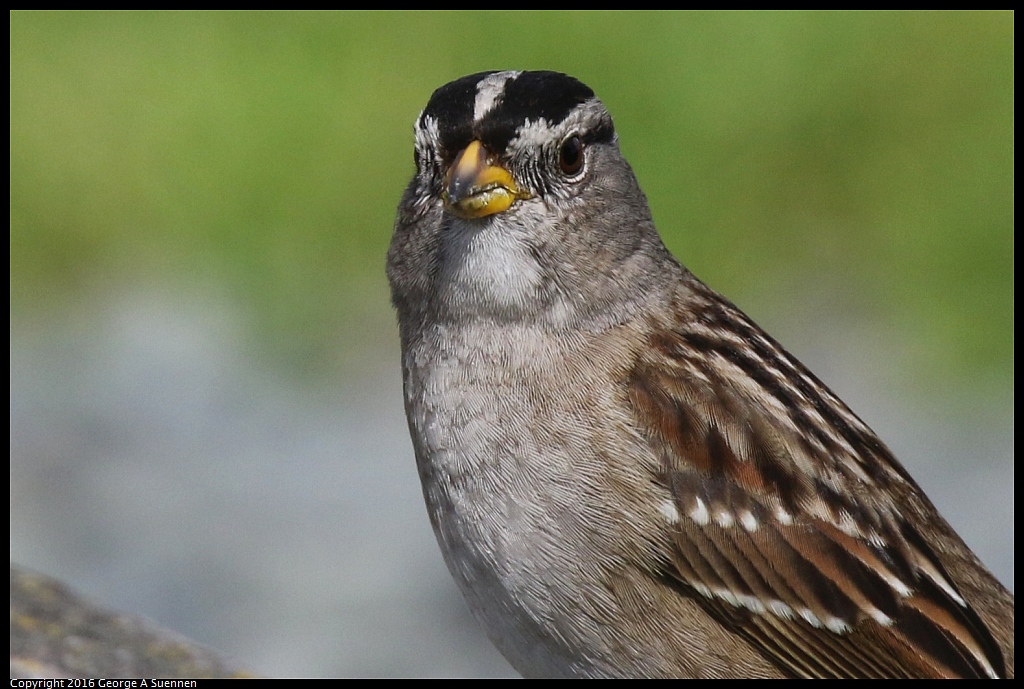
column 427, row 134
column 488, row 91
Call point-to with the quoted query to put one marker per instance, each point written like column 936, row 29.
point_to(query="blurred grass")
column 863, row 159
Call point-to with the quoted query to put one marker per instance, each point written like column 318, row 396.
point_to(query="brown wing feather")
column 794, row 526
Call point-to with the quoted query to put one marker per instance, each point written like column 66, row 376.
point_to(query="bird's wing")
column 795, row 525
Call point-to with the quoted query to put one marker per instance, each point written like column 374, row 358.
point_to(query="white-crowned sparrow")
column 626, row 475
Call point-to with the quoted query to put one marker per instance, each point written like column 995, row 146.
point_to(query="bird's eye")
column 570, row 156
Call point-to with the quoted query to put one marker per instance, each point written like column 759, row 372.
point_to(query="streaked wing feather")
column 789, row 530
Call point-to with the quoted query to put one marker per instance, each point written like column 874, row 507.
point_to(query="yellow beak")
column 475, row 188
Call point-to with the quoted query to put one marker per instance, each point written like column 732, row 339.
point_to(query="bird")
column 626, row 475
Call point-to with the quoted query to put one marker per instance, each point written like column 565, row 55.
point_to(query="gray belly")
column 512, row 466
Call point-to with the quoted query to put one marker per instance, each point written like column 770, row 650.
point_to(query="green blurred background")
column 203, row 201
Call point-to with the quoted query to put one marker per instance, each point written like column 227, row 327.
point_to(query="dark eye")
column 570, row 156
